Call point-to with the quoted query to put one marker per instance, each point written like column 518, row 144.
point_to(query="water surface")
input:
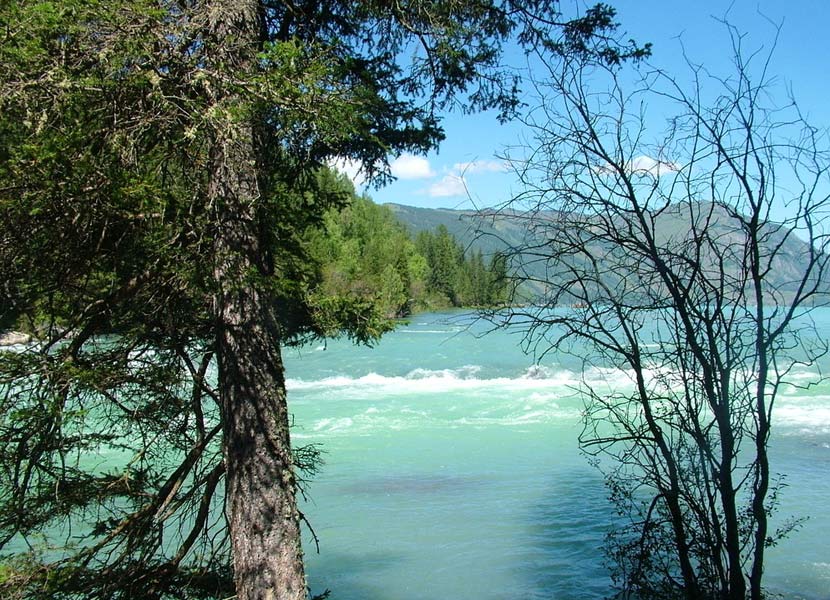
column 453, row 471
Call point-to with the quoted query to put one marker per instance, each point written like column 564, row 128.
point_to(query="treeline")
column 357, row 263
column 364, row 251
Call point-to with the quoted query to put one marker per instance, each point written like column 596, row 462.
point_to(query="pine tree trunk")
column 260, row 486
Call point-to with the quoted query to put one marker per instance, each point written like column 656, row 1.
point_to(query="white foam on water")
column 807, row 418
column 376, row 403
column 429, row 381
column 536, row 394
column 359, row 425
column 333, row 424
column 519, row 418
column 537, row 398
column 804, row 374
column 366, row 422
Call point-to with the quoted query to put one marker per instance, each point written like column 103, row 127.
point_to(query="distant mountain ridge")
column 485, row 230
column 493, row 231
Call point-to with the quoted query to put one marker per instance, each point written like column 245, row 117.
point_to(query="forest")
column 360, row 251
column 364, row 250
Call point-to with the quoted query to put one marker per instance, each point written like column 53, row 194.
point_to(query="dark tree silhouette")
column 689, row 267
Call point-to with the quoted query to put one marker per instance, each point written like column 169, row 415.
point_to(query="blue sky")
column 465, row 172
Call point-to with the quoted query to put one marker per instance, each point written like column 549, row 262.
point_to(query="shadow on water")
column 351, row 575
column 563, row 557
column 363, row 567
column 552, row 550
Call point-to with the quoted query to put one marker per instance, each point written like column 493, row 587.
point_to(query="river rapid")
column 452, row 470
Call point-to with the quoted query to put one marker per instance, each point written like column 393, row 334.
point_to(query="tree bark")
column 260, row 486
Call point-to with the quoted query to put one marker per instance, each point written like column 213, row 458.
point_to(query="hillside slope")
column 493, row 232
column 486, row 231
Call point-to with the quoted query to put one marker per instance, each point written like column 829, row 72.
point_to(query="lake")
column 453, row 470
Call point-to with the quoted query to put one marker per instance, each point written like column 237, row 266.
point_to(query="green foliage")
column 364, row 255
column 367, row 255
column 111, row 118
column 459, row 279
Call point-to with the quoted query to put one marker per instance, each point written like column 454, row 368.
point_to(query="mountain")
column 487, row 230
column 494, row 231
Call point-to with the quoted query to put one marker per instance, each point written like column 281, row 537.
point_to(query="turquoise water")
column 452, row 471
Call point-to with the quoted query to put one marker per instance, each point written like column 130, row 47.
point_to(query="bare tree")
column 690, row 266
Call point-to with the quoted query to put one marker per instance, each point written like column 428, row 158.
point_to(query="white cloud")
column 643, row 165
column 350, row 168
column 454, row 182
column 479, row 166
column 449, row 185
column 409, row 166
column 646, row 165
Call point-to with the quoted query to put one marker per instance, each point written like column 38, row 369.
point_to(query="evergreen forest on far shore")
column 366, row 253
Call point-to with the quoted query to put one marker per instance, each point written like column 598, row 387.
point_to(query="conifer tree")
column 159, row 171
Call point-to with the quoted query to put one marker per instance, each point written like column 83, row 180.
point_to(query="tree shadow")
column 355, row 576
column 563, row 558
column 557, row 553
